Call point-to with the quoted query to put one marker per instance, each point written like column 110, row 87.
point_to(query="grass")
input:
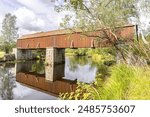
column 125, row 83
column 2, row 54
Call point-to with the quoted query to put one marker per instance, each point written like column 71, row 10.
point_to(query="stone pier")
column 55, row 56
column 54, row 68
column 54, row 72
column 21, row 54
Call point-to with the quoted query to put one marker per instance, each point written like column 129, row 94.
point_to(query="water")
column 32, row 80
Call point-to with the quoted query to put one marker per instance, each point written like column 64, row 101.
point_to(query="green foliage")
column 102, row 58
column 126, row 79
column 9, row 32
column 76, row 52
column 2, row 54
column 40, row 53
column 77, row 3
column 103, row 71
column 122, row 81
column 100, row 14
column 97, row 57
column 7, row 46
column 92, row 15
column 38, row 67
column 140, row 86
column 82, row 92
column 102, row 53
column 140, row 49
column 125, row 83
column 81, row 52
column 118, row 84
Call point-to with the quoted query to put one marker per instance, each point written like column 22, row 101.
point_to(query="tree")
column 9, row 32
column 90, row 15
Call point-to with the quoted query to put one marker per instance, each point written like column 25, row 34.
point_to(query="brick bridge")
column 55, row 42
column 66, row 39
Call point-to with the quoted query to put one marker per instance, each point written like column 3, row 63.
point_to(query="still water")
column 32, row 80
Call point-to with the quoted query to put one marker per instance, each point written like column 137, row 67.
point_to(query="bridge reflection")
column 48, row 79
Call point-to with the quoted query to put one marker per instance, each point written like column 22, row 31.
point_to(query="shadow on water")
column 34, row 80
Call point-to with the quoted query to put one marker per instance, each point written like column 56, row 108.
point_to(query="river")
column 32, row 80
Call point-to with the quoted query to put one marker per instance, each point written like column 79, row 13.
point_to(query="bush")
column 7, row 47
column 2, row 54
column 76, row 52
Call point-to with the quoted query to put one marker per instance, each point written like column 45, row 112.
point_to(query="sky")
column 39, row 15
column 32, row 15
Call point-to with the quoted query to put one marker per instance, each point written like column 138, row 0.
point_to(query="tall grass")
column 125, row 83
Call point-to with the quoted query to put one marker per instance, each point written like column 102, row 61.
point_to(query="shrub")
column 2, row 54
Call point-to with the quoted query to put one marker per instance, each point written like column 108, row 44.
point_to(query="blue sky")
column 32, row 15
column 39, row 15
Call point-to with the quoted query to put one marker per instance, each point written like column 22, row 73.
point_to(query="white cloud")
column 23, row 31
column 35, row 5
column 28, row 20
column 38, row 15
column 32, row 15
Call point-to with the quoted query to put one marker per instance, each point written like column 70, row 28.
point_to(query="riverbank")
column 7, row 57
column 97, row 55
column 118, row 82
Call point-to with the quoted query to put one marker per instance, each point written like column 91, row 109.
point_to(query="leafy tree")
column 9, row 32
column 90, row 15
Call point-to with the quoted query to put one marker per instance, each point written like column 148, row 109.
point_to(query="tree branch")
column 110, row 41
column 108, row 3
column 88, row 10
